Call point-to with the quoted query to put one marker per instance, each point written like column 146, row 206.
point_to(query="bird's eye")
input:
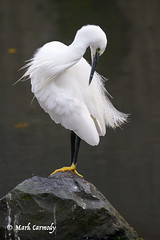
column 98, row 50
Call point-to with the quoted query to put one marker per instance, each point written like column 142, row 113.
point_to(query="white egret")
column 61, row 81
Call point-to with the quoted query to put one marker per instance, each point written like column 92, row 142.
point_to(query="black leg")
column 77, row 144
column 73, row 138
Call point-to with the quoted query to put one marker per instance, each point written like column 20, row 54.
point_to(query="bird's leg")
column 73, row 138
column 75, row 143
column 76, row 150
column 74, row 155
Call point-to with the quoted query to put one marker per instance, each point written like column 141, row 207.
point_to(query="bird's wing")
column 73, row 115
column 48, row 62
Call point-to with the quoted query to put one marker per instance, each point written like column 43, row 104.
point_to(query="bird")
column 69, row 89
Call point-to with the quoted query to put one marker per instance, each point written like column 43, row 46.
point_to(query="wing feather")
column 73, row 115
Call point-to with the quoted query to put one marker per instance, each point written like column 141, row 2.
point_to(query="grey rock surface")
column 62, row 207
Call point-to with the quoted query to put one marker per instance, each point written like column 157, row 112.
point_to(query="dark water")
column 125, row 166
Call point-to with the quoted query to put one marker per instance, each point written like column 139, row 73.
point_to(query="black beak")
column 95, row 60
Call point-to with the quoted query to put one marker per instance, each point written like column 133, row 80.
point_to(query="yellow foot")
column 64, row 169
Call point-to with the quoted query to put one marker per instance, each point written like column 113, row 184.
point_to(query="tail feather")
column 113, row 117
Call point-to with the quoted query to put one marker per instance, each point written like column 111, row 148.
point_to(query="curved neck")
column 78, row 47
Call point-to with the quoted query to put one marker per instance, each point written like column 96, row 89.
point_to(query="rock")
column 62, row 207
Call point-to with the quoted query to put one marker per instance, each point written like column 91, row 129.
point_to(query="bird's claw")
column 64, row 169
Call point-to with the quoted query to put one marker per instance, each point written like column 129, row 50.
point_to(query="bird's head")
column 97, row 46
column 93, row 36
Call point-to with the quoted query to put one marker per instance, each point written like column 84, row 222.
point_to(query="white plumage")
column 59, row 77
